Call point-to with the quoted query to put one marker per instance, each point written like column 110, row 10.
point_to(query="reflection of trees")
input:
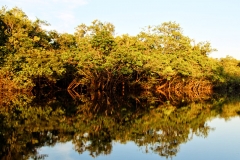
column 98, row 119
column 174, row 127
column 163, row 127
column 26, row 126
column 96, row 143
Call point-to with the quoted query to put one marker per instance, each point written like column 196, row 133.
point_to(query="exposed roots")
column 190, row 90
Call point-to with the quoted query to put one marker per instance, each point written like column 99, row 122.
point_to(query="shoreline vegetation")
column 160, row 58
column 156, row 89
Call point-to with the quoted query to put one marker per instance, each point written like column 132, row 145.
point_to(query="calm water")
column 222, row 143
column 99, row 126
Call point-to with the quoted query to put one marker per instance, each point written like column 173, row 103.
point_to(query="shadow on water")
column 93, row 120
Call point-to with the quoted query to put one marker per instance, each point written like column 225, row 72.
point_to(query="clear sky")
column 216, row 21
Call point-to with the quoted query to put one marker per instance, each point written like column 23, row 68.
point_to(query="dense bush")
column 99, row 59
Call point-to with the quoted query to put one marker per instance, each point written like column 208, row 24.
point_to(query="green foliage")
column 230, row 71
column 93, row 56
column 100, row 58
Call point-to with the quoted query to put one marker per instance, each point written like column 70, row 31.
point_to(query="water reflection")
column 94, row 122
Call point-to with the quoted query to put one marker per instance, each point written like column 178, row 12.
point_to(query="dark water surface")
column 130, row 126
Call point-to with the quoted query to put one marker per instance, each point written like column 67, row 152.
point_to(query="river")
column 130, row 126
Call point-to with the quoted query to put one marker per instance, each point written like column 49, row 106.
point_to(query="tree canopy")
column 96, row 57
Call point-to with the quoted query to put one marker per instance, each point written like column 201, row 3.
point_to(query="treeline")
column 159, row 57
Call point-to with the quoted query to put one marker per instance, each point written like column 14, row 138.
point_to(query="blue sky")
column 203, row 20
